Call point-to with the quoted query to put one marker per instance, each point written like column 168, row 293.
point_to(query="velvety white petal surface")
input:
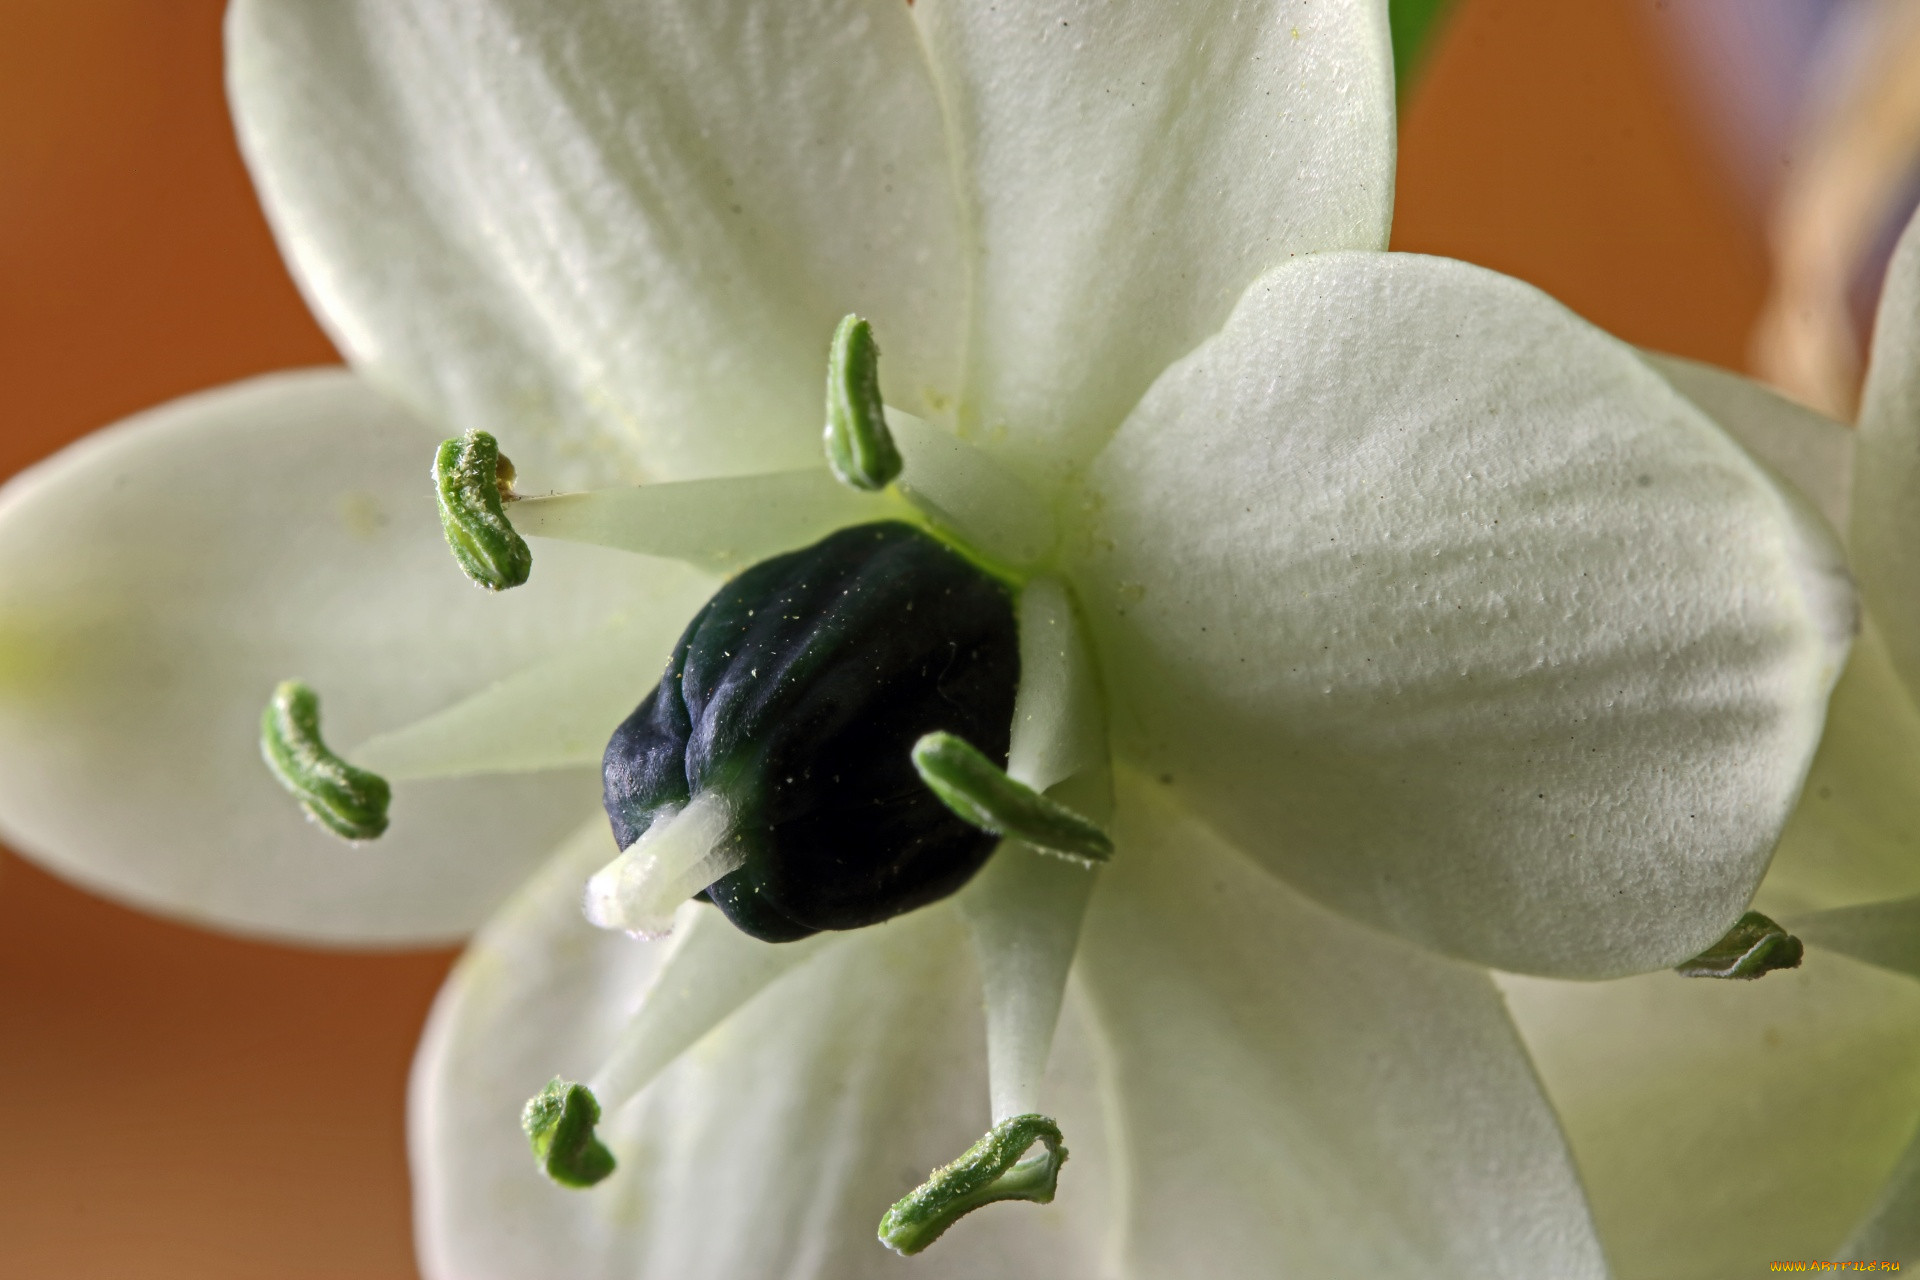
column 158, row 579
column 1442, row 604
column 770, row 1149
column 1722, row 1125
column 1303, row 1096
column 1855, row 835
column 1809, row 449
column 1127, row 170
column 625, row 229
column 1886, row 508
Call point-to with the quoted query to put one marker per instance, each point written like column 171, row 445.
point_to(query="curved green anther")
column 859, row 447
column 990, row 1170
column 468, row 475
column 349, row 802
column 980, row 792
column 559, row 1124
column 1754, row 946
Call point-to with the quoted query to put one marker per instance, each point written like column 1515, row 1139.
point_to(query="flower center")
column 844, row 733
column 796, row 697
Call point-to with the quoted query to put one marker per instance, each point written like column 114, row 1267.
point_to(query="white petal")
column 1810, row 450
column 1881, row 933
column 721, row 525
column 555, row 714
column 710, row 970
column 770, row 1149
column 1855, row 835
column 1891, row 1230
column 1886, row 488
column 158, row 579
column 628, row 228
column 1442, row 604
column 1852, row 838
column 1299, row 1095
column 1129, row 169
column 1722, row 1125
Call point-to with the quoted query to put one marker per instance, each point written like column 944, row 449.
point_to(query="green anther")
column 859, row 447
column 468, row 477
column 973, row 787
column 990, row 1170
column 349, row 802
column 1754, row 946
column 559, row 1123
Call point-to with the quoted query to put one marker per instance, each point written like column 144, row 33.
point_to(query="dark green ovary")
column 799, row 691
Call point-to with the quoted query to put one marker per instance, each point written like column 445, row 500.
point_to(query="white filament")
column 680, row 854
column 712, row 971
column 1025, row 908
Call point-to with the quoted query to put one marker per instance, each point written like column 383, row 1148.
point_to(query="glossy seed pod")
column 798, row 692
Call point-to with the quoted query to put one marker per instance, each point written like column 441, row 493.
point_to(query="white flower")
column 1435, row 629
column 1718, row 1129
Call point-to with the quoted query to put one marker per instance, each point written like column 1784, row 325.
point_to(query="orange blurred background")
column 178, row 1104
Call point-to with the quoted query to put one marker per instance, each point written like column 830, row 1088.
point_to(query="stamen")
column 991, row 1170
column 712, row 970
column 1754, row 946
column 720, row 525
column 680, row 854
column 349, row 802
column 559, row 1124
column 859, row 446
column 974, row 788
column 468, row 480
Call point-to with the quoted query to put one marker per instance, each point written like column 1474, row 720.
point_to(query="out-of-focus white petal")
column 1886, row 486
column 1855, row 835
column 770, row 1149
column 1891, row 1229
column 1810, row 450
column 1301, row 1095
column 1723, row 1125
column 1446, row 607
column 1881, row 933
column 625, row 229
column 158, row 579
column 1127, row 170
